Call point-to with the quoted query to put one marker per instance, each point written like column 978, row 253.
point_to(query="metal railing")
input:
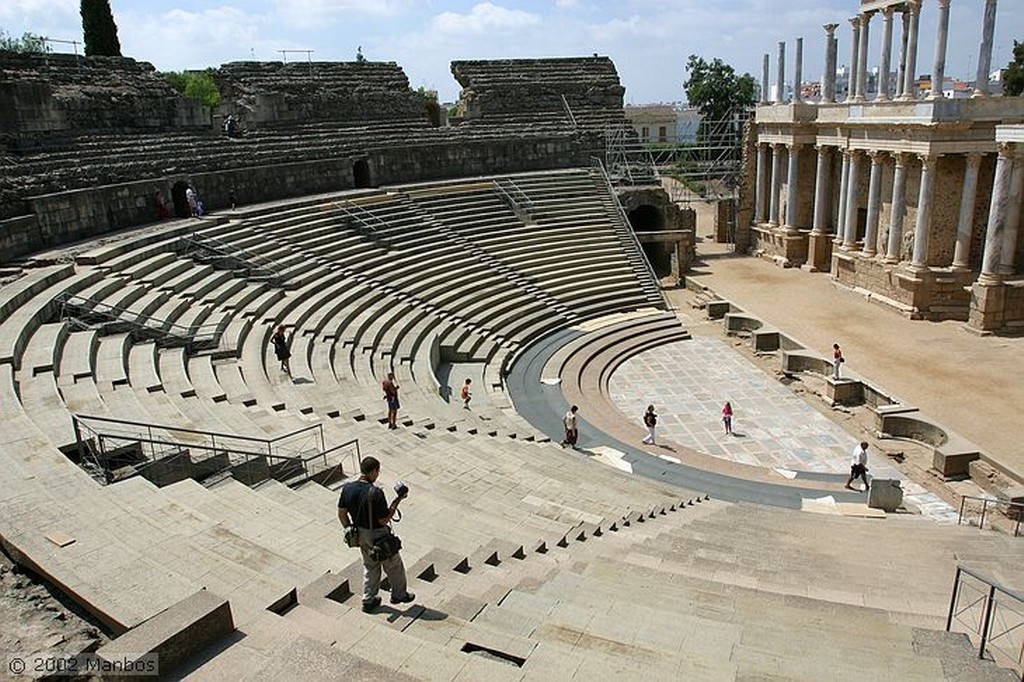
column 568, row 110
column 512, row 195
column 365, row 222
column 1015, row 510
column 219, row 253
column 89, row 313
column 990, row 613
column 111, row 444
column 623, row 219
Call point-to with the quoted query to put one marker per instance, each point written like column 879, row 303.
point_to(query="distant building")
column 664, row 123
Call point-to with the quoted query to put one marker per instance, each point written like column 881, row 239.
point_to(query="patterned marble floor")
column 689, row 381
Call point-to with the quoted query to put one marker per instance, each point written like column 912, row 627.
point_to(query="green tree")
column 99, row 29
column 715, row 89
column 28, row 43
column 197, row 84
column 1013, row 76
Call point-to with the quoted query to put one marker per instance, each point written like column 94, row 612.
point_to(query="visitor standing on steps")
column 282, row 349
column 571, row 424
column 837, row 360
column 859, row 466
column 650, row 421
column 390, row 389
column 465, row 395
column 363, row 505
column 727, row 418
column 193, row 201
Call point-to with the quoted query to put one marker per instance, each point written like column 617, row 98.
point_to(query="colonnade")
column 1003, row 223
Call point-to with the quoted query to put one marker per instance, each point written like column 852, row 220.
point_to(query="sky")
column 649, row 40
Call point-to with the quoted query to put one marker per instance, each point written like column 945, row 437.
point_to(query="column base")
column 819, row 252
column 988, row 305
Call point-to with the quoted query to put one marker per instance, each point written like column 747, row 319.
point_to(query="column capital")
column 855, row 21
column 794, row 145
column 974, row 158
column 1008, row 150
column 877, row 156
column 830, row 29
column 887, row 12
column 928, row 159
column 943, row 4
column 901, row 158
column 914, row 6
column 776, row 146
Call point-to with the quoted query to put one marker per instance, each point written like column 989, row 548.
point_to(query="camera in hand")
column 401, row 489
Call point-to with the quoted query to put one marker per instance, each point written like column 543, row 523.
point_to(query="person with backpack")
column 571, row 425
column 650, row 421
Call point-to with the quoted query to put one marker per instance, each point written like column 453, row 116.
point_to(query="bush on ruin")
column 196, row 84
column 1013, row 76
column 28, row 43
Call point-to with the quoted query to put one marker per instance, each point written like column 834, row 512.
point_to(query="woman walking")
column 727, row 418
column 281, row 349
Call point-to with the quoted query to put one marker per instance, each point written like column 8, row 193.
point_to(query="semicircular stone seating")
column 514, row 540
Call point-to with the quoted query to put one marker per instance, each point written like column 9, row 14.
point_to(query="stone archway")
column 648, row 218
column 181, row 209
column 361, row 174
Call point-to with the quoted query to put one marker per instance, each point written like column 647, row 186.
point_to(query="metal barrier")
column 88, row 313
column 991, row 613
column 117, row 448
column 365, row 222
column 623, row 220
column 568, row 111
column 516, row 199
column 1016, row 510
column 253, row 265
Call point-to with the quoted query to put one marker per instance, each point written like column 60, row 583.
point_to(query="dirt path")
column 968, row 383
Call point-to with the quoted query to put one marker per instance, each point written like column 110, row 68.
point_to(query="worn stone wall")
column 503, row 86
column 747, row 190
column 42, row 96
column 85, row 213
column 280, row 94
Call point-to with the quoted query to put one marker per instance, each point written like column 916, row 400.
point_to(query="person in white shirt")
column 859, row 466
column 571, row 427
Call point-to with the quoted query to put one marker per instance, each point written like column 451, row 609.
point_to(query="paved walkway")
column 689, row 381
column 969, row 383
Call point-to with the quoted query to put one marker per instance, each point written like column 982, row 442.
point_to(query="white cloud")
column 316, row 13
column 484, row 18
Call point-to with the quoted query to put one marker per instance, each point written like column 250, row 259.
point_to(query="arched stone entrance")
column 181, row 209
column 361, row 173
column 647, row 218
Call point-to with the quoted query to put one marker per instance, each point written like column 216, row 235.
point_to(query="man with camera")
column 366, row 516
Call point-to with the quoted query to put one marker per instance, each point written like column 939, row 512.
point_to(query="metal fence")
column 992, row 615
column 974, row 507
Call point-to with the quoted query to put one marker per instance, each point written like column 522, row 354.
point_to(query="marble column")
column 798, row 70
column 910, row 74
column 862, row 56
column 828, row 79
column 994, row 233
column 793, row 158
column 765, row 85
column 968, row 202
column 854, row 58
column 985, row 51
column 776, row 187
column 821, row 192
column 1009, row 254
column 844, row 180
column 850, row 224
column 759, row 189
column 941, row 38
column 901, row 68
column 899, row 209
column 923, row 226
column 874, row 204
column 780, row 73
column 886, row 59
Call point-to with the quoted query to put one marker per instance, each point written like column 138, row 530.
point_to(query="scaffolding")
column 705, row 167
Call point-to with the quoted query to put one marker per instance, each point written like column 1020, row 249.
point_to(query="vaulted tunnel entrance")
column 646, row 218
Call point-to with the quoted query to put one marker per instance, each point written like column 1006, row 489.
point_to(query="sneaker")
column 371, row 606
column 404, row 599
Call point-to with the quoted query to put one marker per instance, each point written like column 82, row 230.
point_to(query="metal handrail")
column 515, row 197
column 996, row 502
column 373, row 223
column 568, row 110
column 990, row 601
column 238, row 253
column 598, row 165
column 204, row 333
column 280, row 449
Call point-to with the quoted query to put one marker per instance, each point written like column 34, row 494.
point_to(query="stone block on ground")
column 885, row 494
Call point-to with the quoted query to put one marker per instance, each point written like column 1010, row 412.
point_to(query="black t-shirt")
column 361, row 497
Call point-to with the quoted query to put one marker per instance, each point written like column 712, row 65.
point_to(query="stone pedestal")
column 844, row 391
column 819, row 252
column 885, row 494
column 988, row 303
